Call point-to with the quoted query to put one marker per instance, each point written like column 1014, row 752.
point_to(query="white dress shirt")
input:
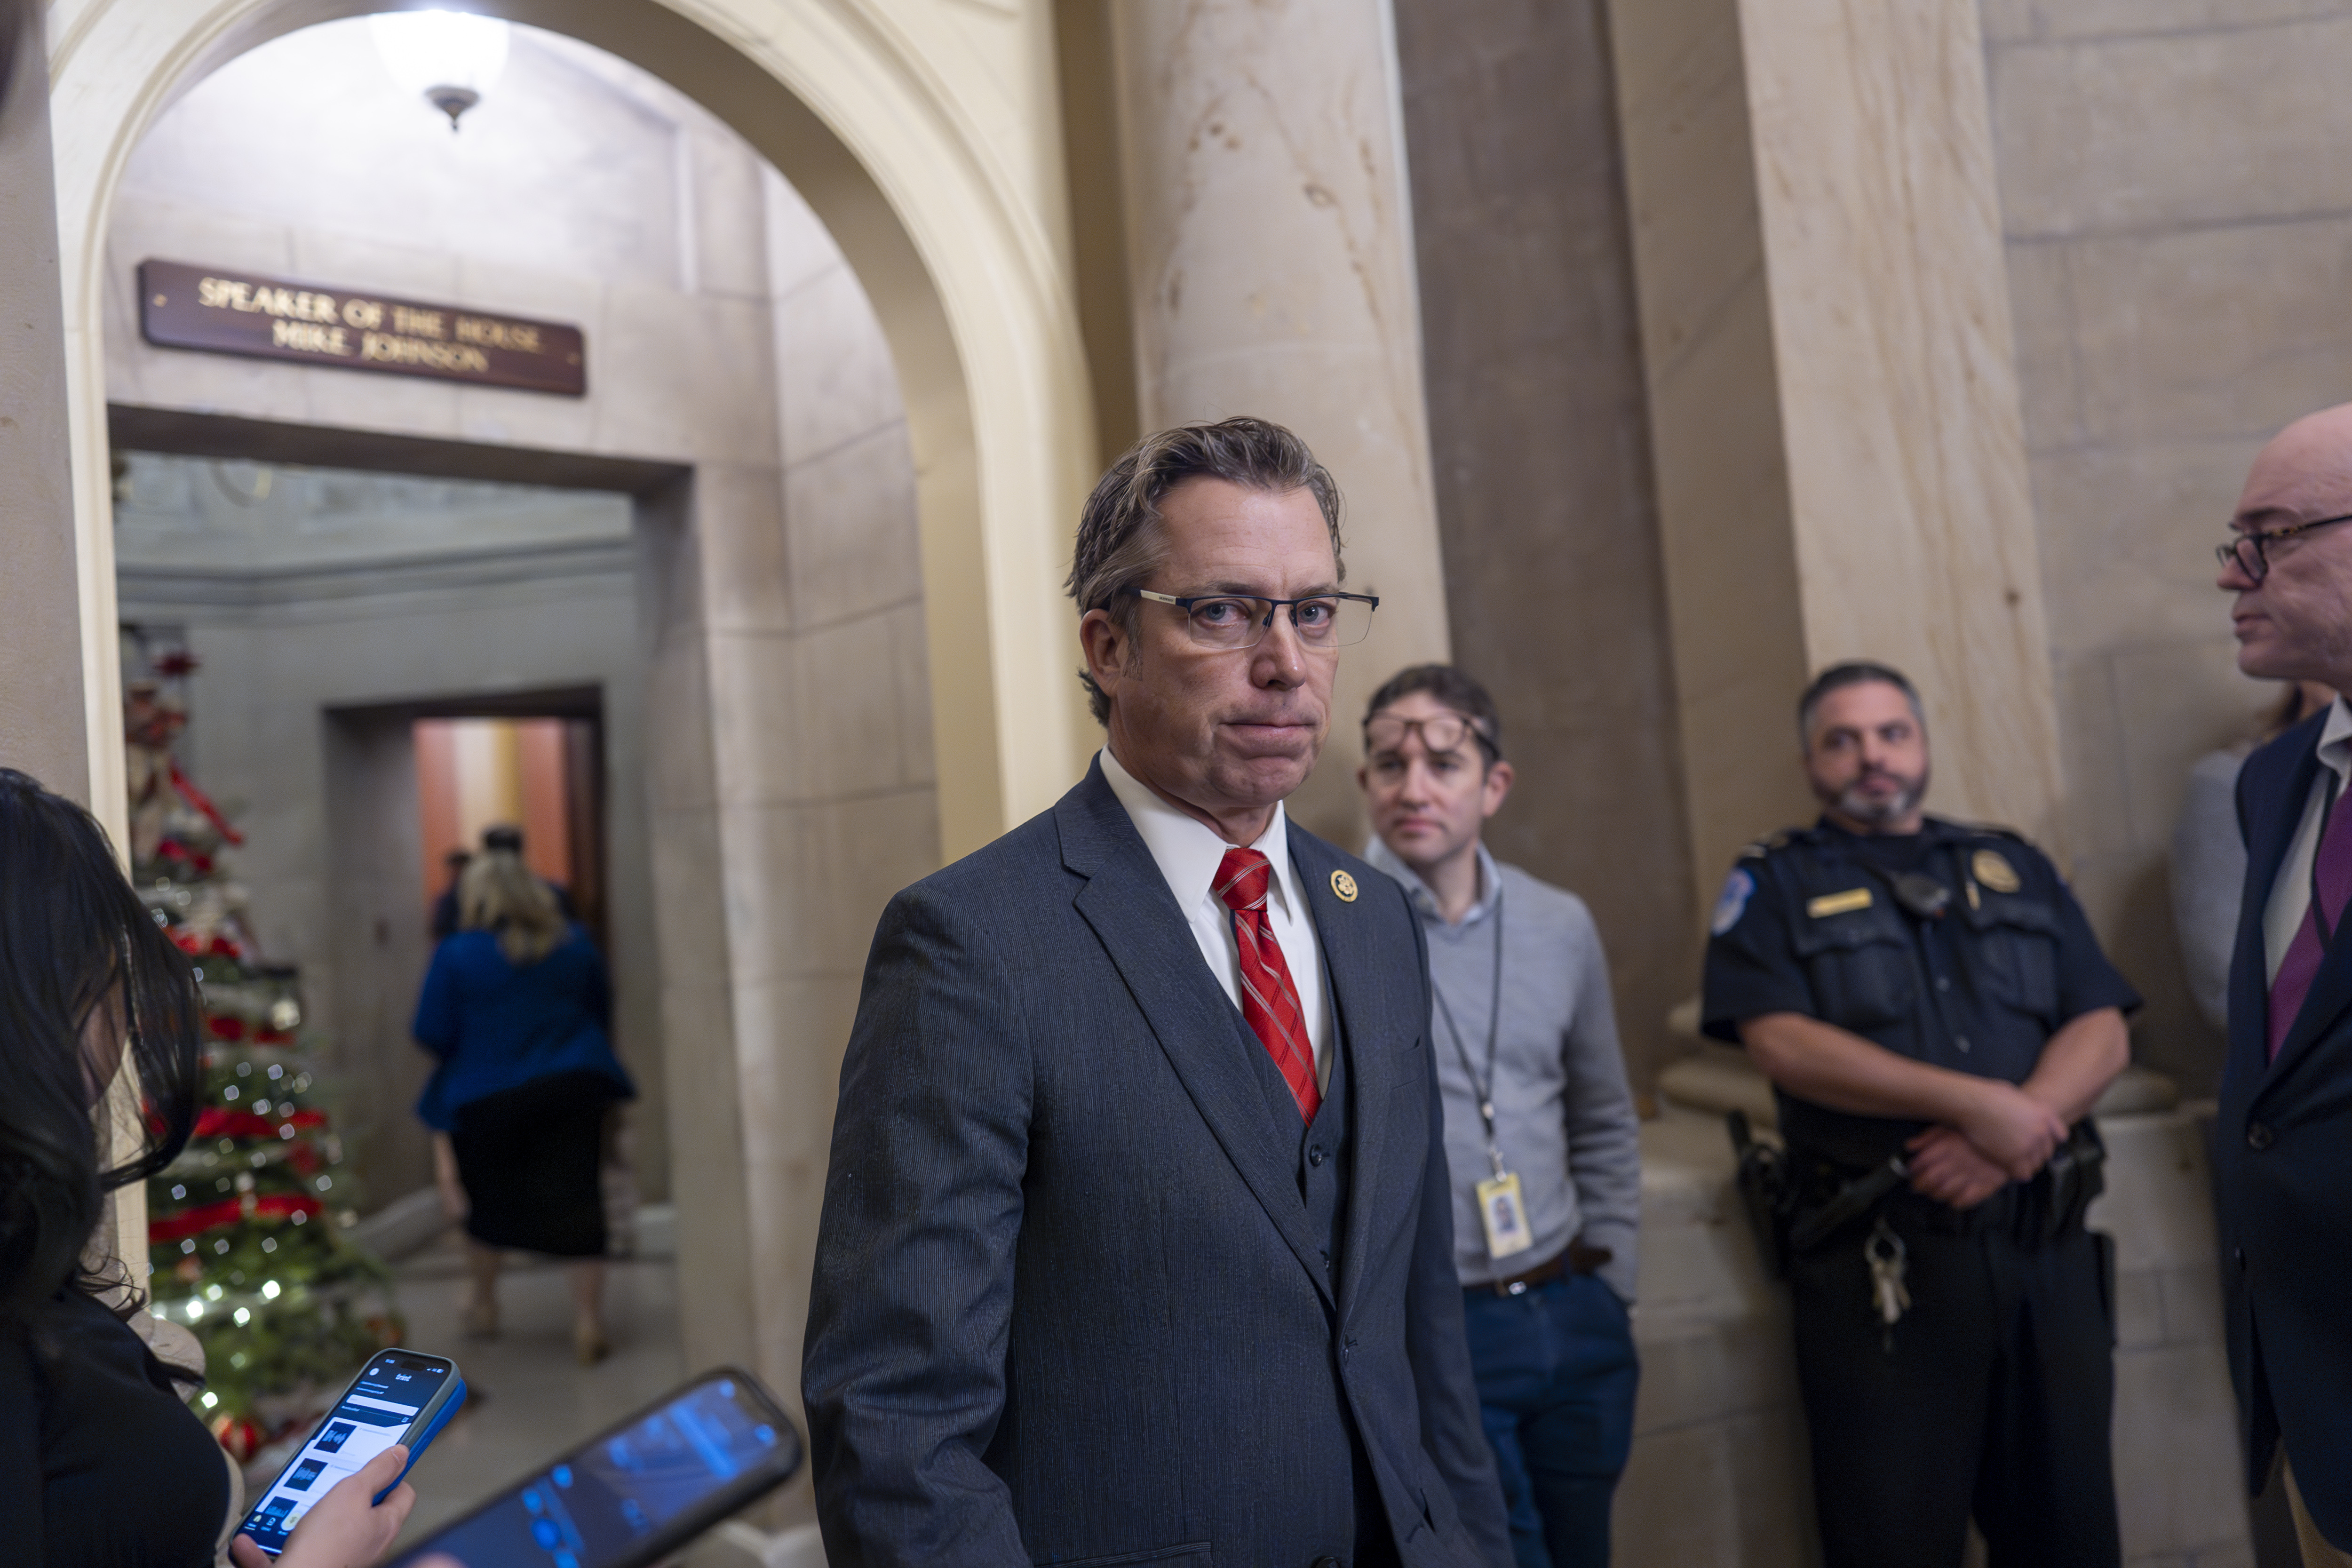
column 1188, row 852
column 2291, row 893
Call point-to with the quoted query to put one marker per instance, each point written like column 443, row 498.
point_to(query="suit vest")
column 1322, row 1154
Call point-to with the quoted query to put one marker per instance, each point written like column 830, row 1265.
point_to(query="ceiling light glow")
column 450, row 57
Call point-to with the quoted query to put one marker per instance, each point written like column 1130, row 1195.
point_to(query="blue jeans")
column 1556, row 1376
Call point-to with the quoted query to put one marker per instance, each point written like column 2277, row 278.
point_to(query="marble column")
column 43, row 727
column 1270, row 248
column 1833, row 393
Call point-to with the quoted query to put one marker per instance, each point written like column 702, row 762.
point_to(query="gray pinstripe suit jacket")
column 1068, row 1306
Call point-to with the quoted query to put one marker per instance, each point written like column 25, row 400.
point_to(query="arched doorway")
column 958, row 248
column 958, row 258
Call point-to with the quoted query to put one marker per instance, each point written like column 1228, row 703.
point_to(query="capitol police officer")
column 1936, row 1019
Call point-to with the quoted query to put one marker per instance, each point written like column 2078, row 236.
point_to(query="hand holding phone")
column 348, row 1527
column 400, row 1399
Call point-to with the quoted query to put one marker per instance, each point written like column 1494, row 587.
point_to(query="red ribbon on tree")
column 204, row 803
column 194, row 946
column 202, row 1217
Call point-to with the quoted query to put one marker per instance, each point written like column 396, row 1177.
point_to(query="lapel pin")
column 1345, row 886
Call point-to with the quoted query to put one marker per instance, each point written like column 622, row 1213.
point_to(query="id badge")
column 1505, row 1217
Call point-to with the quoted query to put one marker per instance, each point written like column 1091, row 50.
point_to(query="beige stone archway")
column 923, row 136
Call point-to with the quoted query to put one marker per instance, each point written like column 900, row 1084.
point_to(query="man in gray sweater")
column 1540, row 1133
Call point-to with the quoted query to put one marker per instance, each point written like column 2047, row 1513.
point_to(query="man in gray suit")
column 1137, row 1239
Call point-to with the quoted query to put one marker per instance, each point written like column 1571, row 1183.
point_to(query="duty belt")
column 1799, row 1203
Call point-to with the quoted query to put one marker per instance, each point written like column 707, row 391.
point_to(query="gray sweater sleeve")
column 2208, row 874
column 1604, row 1151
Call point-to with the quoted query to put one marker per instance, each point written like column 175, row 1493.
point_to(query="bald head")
column 2304, row 472
column 2296, row 622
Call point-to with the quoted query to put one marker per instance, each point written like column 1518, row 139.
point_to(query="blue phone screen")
column 374, row 1412
column 601, row 1499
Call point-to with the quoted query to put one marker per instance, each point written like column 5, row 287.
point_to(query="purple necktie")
column 2331, row 876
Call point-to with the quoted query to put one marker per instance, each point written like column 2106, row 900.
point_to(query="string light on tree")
column 286, row 1309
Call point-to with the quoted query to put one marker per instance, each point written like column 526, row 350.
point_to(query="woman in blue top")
column 518, row 1009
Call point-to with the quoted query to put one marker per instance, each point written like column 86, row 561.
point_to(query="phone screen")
column 374, row 1412
column 603, row 1500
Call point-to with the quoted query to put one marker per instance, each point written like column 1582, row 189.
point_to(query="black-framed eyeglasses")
column 1231, row 622
column 2249, row 552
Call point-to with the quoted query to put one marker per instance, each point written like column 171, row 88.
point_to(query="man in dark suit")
column 2283, row 1143
column 1138, row 1240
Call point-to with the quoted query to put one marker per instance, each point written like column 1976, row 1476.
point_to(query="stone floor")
column 537, row 1399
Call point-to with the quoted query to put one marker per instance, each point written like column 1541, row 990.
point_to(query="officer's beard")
column 1880, row 810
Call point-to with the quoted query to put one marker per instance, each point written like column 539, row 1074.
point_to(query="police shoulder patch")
column 1732, row 902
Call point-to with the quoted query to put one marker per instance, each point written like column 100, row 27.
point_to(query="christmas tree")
column 242, row 1228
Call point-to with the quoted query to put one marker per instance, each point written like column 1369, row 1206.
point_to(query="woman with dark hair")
column 100, row 1462
column 518, row 1009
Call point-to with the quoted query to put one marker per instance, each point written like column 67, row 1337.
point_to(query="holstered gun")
column 1766, row 1191
column 2054, row 1202
column 1858, row 1199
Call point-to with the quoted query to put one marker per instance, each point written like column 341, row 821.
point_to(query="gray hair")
column 1852, row 672
column 1121, row 540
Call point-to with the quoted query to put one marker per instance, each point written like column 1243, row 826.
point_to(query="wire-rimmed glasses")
column 1232, row 622
column 1440, row 733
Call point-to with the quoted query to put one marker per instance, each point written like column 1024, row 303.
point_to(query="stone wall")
column 1540, row 456
column 834, row 800
column 42, row 699
column 2174, row 198
column 1270, row 264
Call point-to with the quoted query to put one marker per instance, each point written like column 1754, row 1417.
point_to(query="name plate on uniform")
column 227, row 311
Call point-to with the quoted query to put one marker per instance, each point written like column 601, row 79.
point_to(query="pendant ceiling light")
column 450, row 57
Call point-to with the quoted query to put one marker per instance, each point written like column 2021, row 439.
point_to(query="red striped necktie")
column 2331, row 886
column 1269, row 1000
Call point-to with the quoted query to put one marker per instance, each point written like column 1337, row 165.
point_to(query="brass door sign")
column 227, row 311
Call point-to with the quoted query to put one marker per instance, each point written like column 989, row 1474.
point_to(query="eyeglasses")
column 2249, row 552
column 1440, row 733
column 1231, row 622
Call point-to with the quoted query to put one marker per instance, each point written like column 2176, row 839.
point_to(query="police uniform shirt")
column 1809, row 923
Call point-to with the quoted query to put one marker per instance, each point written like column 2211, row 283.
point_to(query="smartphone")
column 400, row 1396
column 640, row 1489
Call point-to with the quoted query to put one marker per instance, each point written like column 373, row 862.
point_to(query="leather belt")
column 1577, row 1258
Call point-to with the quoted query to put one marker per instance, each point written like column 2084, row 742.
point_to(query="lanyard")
column 1484, row 1086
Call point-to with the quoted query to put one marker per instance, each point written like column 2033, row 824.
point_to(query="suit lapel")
column 2270, row 838
column 1127, row 902
column 2331, row 988
column 1366, row 1028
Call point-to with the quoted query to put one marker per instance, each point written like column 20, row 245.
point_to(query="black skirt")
column 530, row 1159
